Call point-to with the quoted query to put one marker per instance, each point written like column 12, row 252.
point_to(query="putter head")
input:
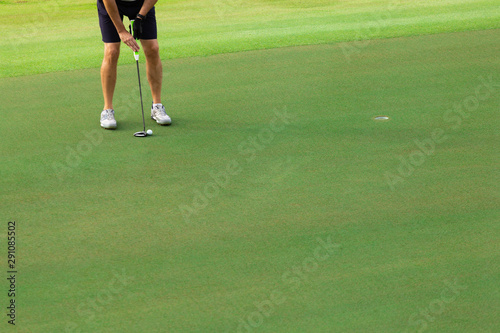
column 140, row 134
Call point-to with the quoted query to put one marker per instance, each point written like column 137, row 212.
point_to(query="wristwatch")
column 142, row 17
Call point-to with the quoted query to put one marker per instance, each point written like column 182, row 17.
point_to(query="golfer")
column 113, row 32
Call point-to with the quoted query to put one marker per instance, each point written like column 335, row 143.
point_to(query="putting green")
column 226, row 221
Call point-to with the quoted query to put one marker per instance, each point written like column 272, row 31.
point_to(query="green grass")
column 322, row 175
column 64, row 35
column 92, row 204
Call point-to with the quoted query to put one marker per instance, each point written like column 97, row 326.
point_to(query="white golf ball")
column 150, row 132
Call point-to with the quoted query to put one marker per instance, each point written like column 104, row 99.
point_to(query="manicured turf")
column 274, row 203
column 91, row 204
column 45, row 36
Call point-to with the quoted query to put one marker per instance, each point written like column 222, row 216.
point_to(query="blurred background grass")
column 45, row 36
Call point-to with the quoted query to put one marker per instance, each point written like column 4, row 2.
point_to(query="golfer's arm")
column 146, row 7
column 113, row 13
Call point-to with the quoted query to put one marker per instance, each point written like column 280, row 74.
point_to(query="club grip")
column 131, row 28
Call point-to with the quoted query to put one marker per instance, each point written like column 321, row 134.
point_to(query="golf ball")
column 150, row 132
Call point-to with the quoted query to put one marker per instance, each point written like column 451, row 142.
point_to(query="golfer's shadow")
column 136, row 125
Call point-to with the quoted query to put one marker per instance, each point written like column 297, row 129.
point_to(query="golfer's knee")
column 152, row 51
column 111, row 54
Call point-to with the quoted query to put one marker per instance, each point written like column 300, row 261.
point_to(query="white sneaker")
column 108, row 119
column 158, row 113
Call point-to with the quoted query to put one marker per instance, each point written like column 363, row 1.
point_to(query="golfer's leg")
column 154, row 68
column 108, row 72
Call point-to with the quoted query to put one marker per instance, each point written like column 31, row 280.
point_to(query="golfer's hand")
column 137, row 28
column 129, row 40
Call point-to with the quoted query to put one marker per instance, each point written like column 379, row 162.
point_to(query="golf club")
column 136, row 56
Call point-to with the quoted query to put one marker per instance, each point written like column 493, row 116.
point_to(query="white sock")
column 157, row 104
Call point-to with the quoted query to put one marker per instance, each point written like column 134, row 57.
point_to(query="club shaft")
column 140, row 93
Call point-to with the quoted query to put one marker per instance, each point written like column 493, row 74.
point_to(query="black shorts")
column 129, row 9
